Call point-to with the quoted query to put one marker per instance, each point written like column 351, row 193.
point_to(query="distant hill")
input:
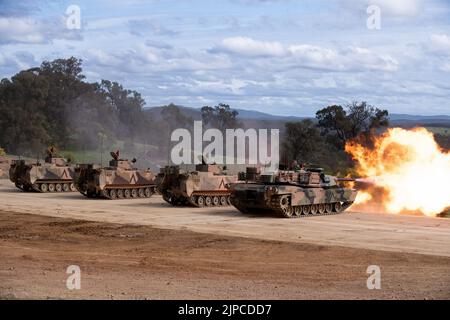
column 195, row 114
column 396, row 119
column 415, row 120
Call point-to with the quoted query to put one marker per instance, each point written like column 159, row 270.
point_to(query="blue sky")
column 284, row 57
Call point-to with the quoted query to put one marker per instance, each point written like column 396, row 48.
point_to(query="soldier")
column 295, row 166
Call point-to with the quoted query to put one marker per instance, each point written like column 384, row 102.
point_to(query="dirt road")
column 411, row 234
column 146, row 249
column 140, row 262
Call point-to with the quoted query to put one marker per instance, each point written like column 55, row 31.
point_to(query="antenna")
column 102, row 138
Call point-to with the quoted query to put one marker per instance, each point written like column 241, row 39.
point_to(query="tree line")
column 53, row 104
column 321, row 141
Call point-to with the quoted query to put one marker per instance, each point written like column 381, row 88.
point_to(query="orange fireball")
column 410, row 166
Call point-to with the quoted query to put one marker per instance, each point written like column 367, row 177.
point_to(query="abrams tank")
column 118, row 181
column 300, row 193
column 54, row 175
column 206, row 186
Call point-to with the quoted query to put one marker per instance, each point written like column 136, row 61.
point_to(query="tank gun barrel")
column 367, row 180
column 346, row 179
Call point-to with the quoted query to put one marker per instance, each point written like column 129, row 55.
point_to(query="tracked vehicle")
column 54, row 175
column 120, row 180
column 206, row 186
column 300, row 193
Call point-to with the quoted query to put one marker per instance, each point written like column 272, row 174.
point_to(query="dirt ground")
column 146, row 249
column 140, row 262
column 398, row 233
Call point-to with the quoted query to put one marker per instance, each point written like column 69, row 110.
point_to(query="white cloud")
column 23, row 30
column 32, row 31
column 309, row 56
column 12, row 62
column 445, row 67
column 251, row 48
column 324, row 83
column 440, row 44
column 141, row 27
column 397, row 7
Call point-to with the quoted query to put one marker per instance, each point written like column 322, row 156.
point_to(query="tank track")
column 282, row 206
column 44, row 187
column 122, row 193
column 200, row 199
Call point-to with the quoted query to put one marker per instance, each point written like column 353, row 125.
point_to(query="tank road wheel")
column 112, row 194
column 286, row 207
column 66, row 187
column 51, row 187
column 329, row 208
column 298, row 211
column 306, row 209
column 215, row 200
column 104, row 193
column 337, row 207
column 148, row 192
column 127, row 193
column 120, row 193
column 321, row 208
column 200, row 201
column 223, row 201
column 314, row 209
column 134, row 193
column 72, row 187
column 44, row 187
column 208, row 201
column 58, row 187
column 229, row 200
column 141, row 193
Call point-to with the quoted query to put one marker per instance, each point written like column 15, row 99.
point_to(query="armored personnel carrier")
column 206, row 186
column 304, row 192
column 117, row 181
column 54, row 175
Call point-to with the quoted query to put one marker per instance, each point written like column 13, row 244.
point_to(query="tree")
column 350, row 122
column 221, row 117
column 53, row 104
column 128, row 104
column 65, row 80
column 23, row 126
column 173, row 116
column 305, row 143
column 334, row 119
column 302, row 140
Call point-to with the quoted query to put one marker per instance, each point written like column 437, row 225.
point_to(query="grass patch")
column 127, row 151
column 439, row 130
